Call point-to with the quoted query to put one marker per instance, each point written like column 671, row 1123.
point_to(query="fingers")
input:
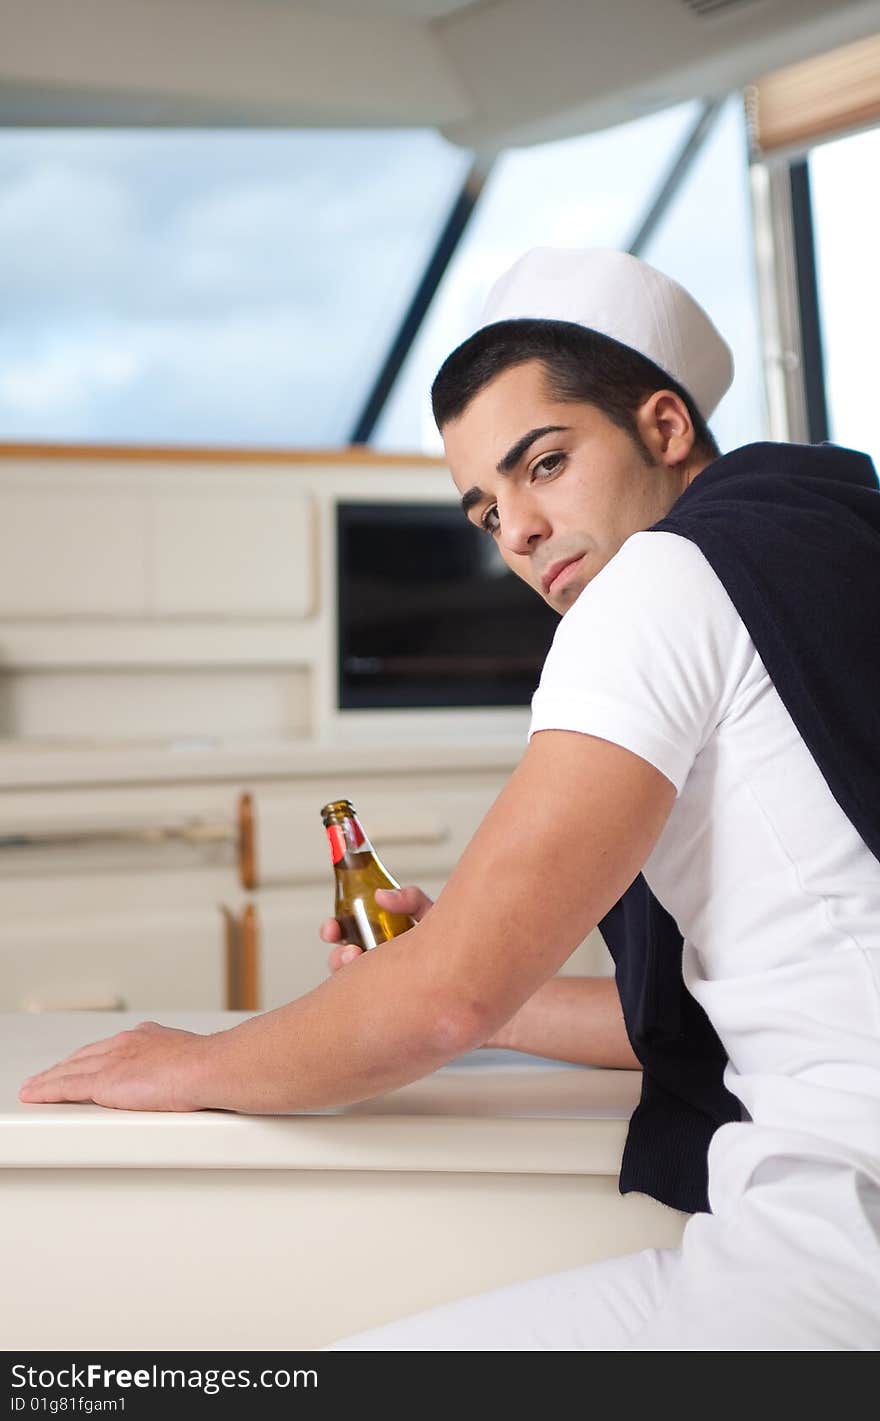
column 409, row 900
column 66, row 1088
column 63, row 1082
column 344, row 953
column 87, row 1058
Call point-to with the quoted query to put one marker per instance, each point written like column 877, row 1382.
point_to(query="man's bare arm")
column 563, row 841
column 571, row 1019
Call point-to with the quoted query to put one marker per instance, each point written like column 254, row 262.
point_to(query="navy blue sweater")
column 793, row 534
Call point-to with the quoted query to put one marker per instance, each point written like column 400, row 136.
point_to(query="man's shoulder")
column 750, row 470
column 658, row 586
column 659, row 557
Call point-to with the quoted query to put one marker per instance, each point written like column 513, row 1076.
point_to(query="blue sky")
column 242, row 288
column 206, row 287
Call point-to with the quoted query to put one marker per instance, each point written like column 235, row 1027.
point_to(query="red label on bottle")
column 336, row 839
column 347, row 837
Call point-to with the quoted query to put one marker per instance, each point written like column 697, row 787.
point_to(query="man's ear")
column 666, row 427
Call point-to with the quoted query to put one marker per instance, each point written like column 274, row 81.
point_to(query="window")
column 245, row 287
column 595, row 191
column 214, row 288
column 586, row 191
column 846, row 217
column 705, row 242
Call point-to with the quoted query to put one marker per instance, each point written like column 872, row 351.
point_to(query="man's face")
column 558, row 486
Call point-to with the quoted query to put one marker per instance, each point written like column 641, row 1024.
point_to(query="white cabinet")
column 142, row 961
column 168, row 642
column 118, row 920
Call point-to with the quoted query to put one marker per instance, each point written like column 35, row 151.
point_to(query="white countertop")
column 495, row 1111
column 28, row 762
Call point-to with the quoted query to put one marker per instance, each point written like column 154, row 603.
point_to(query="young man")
column 667, row 789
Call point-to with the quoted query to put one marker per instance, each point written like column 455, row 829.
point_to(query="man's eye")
column 550, row 464
column 489, row 521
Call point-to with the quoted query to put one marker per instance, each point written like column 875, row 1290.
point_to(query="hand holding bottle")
column 358, row 874
column 410, row 901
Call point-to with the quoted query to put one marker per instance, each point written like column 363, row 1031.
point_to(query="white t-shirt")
column 776, row 895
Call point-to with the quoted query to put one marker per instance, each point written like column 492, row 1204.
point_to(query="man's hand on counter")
column 148, row 1068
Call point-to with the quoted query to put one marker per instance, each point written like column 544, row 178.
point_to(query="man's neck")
column 697, row 468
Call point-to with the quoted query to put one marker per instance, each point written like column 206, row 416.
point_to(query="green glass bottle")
column 358, row 873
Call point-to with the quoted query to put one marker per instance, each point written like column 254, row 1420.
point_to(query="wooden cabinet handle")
column 250, row 959
column 247, row 849
column 242, row 964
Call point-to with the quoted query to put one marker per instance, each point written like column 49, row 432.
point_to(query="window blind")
column 796, row 107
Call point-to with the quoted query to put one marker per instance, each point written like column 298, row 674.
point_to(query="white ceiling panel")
column 486, row 73
column 210, row 61
column 538, row 71
column 386, row 9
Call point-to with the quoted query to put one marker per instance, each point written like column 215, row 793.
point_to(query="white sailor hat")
column 620, row 296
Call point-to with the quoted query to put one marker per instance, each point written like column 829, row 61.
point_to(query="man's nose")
column 523, row 526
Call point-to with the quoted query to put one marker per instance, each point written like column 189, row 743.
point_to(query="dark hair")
column 581, row 365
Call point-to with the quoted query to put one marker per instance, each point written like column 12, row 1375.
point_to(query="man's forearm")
column 571, row 1019
column 330, row 1048
column 378, row 1024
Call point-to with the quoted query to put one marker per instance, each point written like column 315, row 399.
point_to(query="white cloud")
column 207, row 286
column 64, row 380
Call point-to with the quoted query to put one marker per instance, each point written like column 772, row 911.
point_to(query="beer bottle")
column 358, row 873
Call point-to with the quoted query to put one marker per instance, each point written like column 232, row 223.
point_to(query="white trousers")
column 795, row 1266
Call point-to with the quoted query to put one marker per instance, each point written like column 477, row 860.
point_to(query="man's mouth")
column 556, row 575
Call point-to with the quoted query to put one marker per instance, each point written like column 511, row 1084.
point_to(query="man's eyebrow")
column 516, row 451
column 473, row 495
column 511, row 459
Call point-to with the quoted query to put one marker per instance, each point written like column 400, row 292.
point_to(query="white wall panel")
column 143, row 961
column 200, row 704
column 71, row 552
column 234, row 555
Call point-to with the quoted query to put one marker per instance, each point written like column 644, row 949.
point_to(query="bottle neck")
column 346, row 837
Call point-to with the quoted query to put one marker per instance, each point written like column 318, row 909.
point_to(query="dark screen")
column 428, row 614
